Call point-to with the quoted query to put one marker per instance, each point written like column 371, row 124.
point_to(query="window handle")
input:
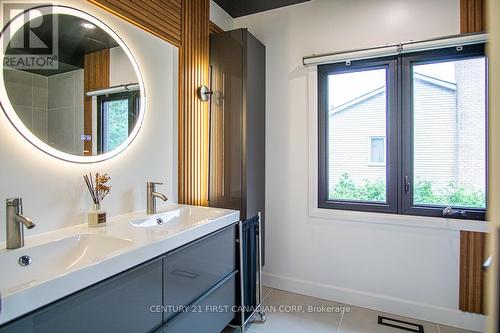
column 448, row 211
column 407, row 184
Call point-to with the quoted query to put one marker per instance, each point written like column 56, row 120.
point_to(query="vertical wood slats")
column 96, row 76
column 184, row 23
column 214, row 28
column 472, row 256
column 193, row 113
column 159, row 17
column 472, row 16
column 472, row 244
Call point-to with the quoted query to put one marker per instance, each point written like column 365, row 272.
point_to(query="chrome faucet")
column 151, row 196
column 15, row 217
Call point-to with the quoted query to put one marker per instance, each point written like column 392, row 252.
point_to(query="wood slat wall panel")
column 472, row 244
column 472, row 16
column 159, row 17
column 184, row 23
column 193, row 113
column 146, row 12
column 214, row 28
column 472, row 256
column 95, row 76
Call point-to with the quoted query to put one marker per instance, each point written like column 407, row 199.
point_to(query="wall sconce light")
column 204, row 93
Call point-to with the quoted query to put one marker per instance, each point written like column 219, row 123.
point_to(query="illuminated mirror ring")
column 17, row 23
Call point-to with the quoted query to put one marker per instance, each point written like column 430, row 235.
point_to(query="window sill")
column 399, row 220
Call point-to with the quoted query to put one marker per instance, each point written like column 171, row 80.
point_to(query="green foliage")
column 117, row 123
column 451, row 195
column 347, row 189
column 424, row 193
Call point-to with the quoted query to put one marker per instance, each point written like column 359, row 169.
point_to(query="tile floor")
column 357, row 320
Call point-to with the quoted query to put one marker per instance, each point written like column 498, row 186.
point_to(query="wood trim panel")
column 183, row 23
column 95, row 76
column 472, row 16
column 214, row 28
column 472, row 284
column 159, row 17
column 472, row 244
column 193, row 113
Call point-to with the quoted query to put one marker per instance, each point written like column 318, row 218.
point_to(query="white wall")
column 220, row 17
column 53, row 191
column 407, row 269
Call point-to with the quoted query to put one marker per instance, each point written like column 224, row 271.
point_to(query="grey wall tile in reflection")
column 61, row 129
column 19, row 86
column 40, row 123
column 78, row 129
column 40, row 91
column 25, row 113
column 79, row 96
column 61, row 90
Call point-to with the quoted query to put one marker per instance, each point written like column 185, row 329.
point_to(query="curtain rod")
column 395, row 49
column 114, row 90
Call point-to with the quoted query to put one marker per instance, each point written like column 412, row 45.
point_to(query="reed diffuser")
column 98, row 190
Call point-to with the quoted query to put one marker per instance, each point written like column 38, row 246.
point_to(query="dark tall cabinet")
column 237, row 147
column 237, row 123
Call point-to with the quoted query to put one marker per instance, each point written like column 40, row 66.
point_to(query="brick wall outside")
column 471, row 125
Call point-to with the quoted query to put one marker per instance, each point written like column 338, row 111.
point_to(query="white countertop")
column 70, row 259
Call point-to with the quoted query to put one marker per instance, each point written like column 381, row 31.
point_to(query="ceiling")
column 74, row 41
column 237, row 8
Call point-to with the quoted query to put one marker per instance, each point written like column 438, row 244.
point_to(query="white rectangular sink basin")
column 53, row 259
column 67, row 260
column 175, row 217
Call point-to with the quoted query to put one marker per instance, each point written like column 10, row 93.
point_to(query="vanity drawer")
column 192, row 270
column 210, row 314
column 119, row 304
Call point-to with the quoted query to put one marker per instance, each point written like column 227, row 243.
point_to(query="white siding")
column 434, row 133
column 350, row 131
column 349, row 140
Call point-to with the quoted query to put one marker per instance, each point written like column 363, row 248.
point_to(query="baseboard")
column 378, row 302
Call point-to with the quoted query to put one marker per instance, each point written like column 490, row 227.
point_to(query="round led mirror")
column 68, row 83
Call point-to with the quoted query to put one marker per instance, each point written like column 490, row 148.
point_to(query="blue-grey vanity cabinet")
column 198, row 276
column 190, row 271
column 119, row 304
column 208, row 314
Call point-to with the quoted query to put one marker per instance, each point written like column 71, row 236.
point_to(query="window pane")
column 377, row 150
column 357, row 112
column 117, row 123
column 449, row 128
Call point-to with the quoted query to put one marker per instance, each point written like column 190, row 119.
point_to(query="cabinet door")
column 226, row 118
column 210, row 314
column 194, row 269
column 119, row 304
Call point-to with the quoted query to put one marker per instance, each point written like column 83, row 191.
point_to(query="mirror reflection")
column 85, row 99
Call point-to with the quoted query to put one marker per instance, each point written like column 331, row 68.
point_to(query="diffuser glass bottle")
column 98, row 190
